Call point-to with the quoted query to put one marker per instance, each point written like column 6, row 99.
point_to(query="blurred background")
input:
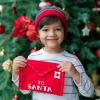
column 83, row 39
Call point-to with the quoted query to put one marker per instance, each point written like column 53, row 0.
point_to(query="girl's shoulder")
column 72, row 57
column 66, row 53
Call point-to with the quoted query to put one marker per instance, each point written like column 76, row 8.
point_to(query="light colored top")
column 71, row 88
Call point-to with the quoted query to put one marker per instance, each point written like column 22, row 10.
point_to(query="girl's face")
column 52, row 35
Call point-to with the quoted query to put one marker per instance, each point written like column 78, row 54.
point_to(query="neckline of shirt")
column 60, row 53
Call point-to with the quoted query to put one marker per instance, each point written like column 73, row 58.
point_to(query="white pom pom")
column 44, row 4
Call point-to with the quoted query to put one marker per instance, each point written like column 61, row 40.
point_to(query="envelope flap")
column 41, row 67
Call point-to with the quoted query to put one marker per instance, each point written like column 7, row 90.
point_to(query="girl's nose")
column 52, row 33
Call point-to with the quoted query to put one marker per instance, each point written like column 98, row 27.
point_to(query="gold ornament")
column 1, row 8
column 97, row 90
column 7, row 65
column 95, row 79
column 66, row 13
column 98, row 29
column 2, row 52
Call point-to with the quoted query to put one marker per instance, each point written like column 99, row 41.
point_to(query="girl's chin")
column 52, row 46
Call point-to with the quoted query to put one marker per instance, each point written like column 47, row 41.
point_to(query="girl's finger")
column 19, row 62
column 63, row 70
column 59, row 66
column 60, row 69
column 20, row 58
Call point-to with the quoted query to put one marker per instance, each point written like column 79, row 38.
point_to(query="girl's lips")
column 52, row 39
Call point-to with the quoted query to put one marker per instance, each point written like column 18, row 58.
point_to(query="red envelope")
column 41, row 76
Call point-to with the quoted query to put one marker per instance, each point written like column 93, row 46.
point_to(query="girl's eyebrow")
column 46, row 26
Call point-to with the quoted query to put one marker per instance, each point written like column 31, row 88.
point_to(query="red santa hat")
column 51, row 11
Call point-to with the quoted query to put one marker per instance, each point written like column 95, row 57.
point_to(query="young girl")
column 50, row 25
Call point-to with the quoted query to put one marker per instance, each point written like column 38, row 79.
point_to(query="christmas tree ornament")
column 66, row 13
column 96, row 79
column 31, row 33
column 85, row 31
column 15, row 97
column 77, row 54
column 2, row 29
column 20, row 26
column 97, row 91
column 31, row 36
column 97, row 53
column 14, row 8
column 91, row 26
column 1, row 8
column 44, row 3
column 7, row 65
column 2, row 52
column 33, row 50
column 98, row 29
column 97, row 6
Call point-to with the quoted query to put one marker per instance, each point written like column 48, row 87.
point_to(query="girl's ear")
column 38, row 36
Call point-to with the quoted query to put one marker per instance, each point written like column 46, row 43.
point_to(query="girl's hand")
column 69, row 68
column 18, row 62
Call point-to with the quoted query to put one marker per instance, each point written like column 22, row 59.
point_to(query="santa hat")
column 51, row 11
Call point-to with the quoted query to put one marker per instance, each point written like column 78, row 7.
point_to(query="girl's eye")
column 45, row 30
column 58, row 29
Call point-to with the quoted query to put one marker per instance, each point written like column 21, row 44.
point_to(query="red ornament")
column 78, row 54
column 97, row 3
column 91, row 26
column 20, row 26
column 97, row 53
column 33, row 50
column 31, row 33
column 2, row 29
column 15, row 98
column 14, row 8
column 97, row 6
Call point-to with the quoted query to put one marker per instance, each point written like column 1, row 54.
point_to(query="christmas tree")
column 83, row 38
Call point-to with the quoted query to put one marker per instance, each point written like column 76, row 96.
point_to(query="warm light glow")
column 1, row 8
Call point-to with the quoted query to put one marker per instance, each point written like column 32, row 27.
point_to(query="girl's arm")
column 18, row 62
column 77, row 72
column 85, row 85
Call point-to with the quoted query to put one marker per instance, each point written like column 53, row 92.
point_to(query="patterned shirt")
column 71, row 88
